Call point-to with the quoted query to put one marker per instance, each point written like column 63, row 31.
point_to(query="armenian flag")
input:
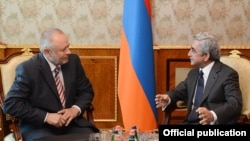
column 136, row 79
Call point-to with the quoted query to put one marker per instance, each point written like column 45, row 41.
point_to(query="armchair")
column 9, row 129
column 241, row 63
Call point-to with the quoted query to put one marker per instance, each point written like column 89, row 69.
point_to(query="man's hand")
column 55, row 119
column 161, row 100
column 205, row 115
column 62, row 118
column 68, row 114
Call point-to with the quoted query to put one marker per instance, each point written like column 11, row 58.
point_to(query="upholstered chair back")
column 8, row 70
column 242, row 65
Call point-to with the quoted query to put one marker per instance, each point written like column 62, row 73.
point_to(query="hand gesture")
column 161, row 100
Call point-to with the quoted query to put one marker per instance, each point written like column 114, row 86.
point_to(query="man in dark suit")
column 34, row 98
column 221, row 100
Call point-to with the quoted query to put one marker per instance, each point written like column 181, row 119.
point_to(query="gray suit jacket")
column 34, row 91
column 222, row 92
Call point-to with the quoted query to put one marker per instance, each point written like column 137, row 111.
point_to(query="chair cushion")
column 9, row 137
column 242, row 66
column 7, row 80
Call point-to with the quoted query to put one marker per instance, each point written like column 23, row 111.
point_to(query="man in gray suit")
column 33, row 96
column 221, row 100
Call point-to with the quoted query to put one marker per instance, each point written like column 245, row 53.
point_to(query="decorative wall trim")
column 71, row 46
column 2, row 45
column 117, row 47
column 187, row 47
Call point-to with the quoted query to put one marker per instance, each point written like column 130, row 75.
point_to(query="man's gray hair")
column 208, row 44
column 46, row 38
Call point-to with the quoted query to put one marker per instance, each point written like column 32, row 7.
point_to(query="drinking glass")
column 95, row 137
column 149, row 136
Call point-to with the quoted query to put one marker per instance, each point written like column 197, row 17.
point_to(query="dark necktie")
column 193, row 116
column 59, row 86
column 199, row 89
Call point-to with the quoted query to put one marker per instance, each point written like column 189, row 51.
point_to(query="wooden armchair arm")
column 242, row 119
column 170, row 112
column 14, row 127
column 9, row 124
column 2, row 120
column 89, row 114
column 90, row 110
column 167, row 118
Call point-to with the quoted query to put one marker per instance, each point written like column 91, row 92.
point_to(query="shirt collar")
column 206, row 70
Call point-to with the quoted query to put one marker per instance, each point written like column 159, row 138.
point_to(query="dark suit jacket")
column 222, row 92
column 34, row 91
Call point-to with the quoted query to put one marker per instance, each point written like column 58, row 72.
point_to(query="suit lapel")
column 47, row 74
column 194, row 77
column 211, row 81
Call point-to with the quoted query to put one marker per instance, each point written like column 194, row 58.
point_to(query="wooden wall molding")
column 2, row 45
column 188, row 47
column 156, row 47
column 71, row 46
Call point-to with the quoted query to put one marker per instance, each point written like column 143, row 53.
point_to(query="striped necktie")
column 59, row 86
